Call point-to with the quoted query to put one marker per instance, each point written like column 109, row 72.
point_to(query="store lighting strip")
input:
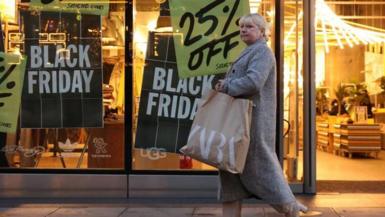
column 345, row 36
column 342, row 30
column 326, row 44
column 286, row 40
column 337, row 37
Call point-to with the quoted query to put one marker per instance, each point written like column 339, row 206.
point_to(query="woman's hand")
column 219, row 85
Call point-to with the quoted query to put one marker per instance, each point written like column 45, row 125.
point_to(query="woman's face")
column 250, row 32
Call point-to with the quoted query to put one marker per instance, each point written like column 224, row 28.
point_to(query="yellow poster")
column 206, row 35
column 73, row 6
column 11, row 84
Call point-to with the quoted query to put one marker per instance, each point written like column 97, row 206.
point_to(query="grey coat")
column 253, row 75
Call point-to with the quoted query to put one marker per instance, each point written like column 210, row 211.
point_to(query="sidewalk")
column 331, row 205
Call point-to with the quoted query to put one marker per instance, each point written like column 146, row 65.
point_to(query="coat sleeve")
column 258, row 70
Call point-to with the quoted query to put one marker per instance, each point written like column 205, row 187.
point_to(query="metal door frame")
column 309, row 97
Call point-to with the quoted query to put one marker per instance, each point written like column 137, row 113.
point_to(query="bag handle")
column 209, row 96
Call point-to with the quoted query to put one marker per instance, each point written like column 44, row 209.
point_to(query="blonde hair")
column 259, row 21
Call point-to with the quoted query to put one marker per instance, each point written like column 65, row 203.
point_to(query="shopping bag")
column 220, row 133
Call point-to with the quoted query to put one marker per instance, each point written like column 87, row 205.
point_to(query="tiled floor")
column 333, row 205
column 214, row 211
column 358, row 212
column 333, row 167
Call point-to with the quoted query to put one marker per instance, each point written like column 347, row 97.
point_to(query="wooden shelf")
column 324, row 137
column 359, row 138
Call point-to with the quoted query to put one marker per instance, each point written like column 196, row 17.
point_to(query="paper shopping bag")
column 220, row 133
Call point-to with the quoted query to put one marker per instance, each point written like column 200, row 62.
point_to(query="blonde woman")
column 253, row 75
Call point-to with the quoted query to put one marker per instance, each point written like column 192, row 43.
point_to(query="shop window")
column 71, row 98
column 293, row 90
column 350, row 89
column 162, row 118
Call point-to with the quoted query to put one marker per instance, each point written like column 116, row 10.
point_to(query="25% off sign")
column 206, row 34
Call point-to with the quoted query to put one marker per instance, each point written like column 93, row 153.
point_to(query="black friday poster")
column 63, row 78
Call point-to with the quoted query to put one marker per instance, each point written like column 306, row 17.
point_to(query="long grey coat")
column 253, row 75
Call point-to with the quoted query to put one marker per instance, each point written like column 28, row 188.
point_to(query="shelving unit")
column 360, row 138
column 336, row 139
column 323, row 136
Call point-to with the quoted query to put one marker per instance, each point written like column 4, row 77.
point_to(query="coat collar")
column 250, row 48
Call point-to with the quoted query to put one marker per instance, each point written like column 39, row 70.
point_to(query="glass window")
column 163, row 111
column 64, row 71
column 350, row 81
column 293, row 90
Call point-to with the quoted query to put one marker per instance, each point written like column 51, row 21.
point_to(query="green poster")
column 83, row 6
column 206, row 34
column 12, row 70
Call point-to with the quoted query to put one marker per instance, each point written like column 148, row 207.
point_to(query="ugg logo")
column 206, row 143
column 153, row 153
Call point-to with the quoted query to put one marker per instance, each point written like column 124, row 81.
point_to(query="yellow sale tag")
column 206, row 35
column 73, row 6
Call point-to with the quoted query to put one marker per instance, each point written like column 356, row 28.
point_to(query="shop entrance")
column 296, row 87
column 349, row 81
column 350, row 94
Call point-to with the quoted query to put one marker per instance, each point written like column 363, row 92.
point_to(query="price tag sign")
column 11, row 84
column 94, row 7
column 206, row 35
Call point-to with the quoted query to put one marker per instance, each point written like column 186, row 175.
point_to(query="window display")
column 72, row 101
column 165, row 99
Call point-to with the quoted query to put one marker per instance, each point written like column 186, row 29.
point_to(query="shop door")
column 350, row 80
column 296, row 88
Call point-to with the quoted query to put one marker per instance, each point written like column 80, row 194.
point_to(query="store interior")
column 349, row 80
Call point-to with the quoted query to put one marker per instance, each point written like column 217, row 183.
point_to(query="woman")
column 253, row 75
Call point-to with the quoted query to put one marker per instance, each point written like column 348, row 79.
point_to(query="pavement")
column 328, row 204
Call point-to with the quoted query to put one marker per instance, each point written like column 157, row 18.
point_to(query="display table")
column 383, row 140
column 379, row 116
column 359, row 138
column 336, row 139
column 323, row 137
